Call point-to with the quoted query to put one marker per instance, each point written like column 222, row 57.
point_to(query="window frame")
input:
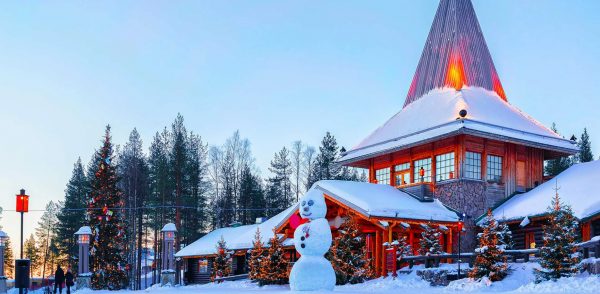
column 493, row 168
column 428, row 172
column 445, row 166
column 389, row 175
column 476, row 169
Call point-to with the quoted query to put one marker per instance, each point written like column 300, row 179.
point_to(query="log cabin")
column 457, row 138
column 384, row 214
column 527, row 212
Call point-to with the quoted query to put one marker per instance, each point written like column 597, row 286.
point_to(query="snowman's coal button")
column 302, row 238
column 302, row 245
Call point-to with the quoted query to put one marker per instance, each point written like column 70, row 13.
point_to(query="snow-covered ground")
column 520, row 280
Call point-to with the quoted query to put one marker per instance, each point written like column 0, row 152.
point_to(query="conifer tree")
column 281, row 167
column 489, row 261
column 585, row 148
column 9, row 262
column 348, row 255
column 106, row 221
column 403, row 247
column 30, row 251
column 47, row 239
column 256, row 255
column 554, row 167
column 273, row 267
column 558, row 254
column 72, row 213
column 505, row 239
column 430, row 240
column 222, row 262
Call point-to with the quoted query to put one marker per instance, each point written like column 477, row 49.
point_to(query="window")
column 426, row 165
column 444, row 166
column 494, row 168
column 402, row 174
column 383, row 176
column 473, row 165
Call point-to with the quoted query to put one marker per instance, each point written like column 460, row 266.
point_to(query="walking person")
column 59, row 279
column 69, row 280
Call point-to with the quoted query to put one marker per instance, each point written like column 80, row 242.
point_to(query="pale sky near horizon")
column 276, row 70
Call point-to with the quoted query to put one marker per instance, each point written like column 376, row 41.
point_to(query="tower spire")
column 455, row 54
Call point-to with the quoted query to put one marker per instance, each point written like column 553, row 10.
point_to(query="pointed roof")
column 455, row 54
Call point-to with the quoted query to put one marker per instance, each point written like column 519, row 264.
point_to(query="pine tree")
column 558, row 254
column 106, row 221
column 505, row 239
column 281, row 167
column 403, row 247
column 585, row 148
column 9, row 262
column 273, row 267
column 256, row 255
column 328, row 154
column 30, row 251
column 251, row 198
column 72, row 214
column 348, row 255
column 430, row 240
column 47, row 238
column 554, row 167
column 489, row 261
column 222, row 262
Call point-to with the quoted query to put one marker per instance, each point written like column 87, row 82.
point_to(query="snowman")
column 312, row 240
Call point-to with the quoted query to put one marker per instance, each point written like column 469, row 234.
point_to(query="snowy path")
column 519, row 281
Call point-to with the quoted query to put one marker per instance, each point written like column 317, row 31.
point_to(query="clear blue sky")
column 276, row 70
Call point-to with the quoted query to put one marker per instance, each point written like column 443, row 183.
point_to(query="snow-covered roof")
column 170, row 227
column 383, row 201
column 577, row 187
column 236, row 237
column 436, row 115
column 85, row 230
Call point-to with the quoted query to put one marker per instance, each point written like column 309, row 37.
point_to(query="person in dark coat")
column 59, row 279
column 69, row 280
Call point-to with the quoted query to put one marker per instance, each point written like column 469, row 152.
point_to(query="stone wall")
column 467, row 197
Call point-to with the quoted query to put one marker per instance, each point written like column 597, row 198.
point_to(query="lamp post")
column 167, row 261
column 22, row 207
column 83, row 261
column 3, row 238
column 460, row 228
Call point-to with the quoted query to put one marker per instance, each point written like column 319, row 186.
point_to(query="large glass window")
column 494, row 168
column 383, row 176
column 402, row 174
column 426, row 165
column 444, row 166
column 473, row 165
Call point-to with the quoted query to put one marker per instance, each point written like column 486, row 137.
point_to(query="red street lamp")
column 22, row 202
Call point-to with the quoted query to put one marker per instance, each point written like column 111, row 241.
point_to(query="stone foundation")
column 83, row 281
column 167, row 277
column 472, row 198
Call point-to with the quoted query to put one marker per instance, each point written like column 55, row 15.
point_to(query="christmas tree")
column 489, row 261
column 107, row 245
column 585, row 148
column 505, row 239
column 222, row 262
column 403, row 247
column 558, row 258
column 273, row 267
column 348, row 255
column 430, row 240
column 256, row 255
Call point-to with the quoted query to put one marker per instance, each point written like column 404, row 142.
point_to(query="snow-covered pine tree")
column 505, row 240
column 430, row 240
column 222, row 262
column 348, row 255
column 274, row 266
column 558, row 254
column 107, row 244
column 489, row 261
column 585, row 148
column 404, row 248
column 256, row 255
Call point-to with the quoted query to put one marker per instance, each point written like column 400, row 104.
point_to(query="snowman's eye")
column 303, row 203
column 310, row 203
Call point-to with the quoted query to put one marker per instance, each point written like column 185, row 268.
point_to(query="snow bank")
column 577, row 187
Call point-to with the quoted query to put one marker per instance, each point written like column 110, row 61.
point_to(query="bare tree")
column 309, row 156
column 297, row 160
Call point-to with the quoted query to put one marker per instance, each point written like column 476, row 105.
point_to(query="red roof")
column 455, row 54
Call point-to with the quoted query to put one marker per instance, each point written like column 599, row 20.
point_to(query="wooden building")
column 383, row 213
column 527, row 212
column 457, row 138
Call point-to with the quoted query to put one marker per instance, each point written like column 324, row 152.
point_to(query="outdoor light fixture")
column 22, row 202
